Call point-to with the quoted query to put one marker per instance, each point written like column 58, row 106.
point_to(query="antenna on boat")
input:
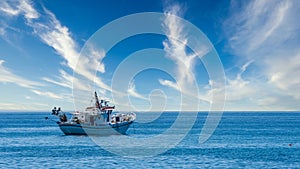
column 97, row 104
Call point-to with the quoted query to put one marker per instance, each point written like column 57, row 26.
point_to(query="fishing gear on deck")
column 58, row 112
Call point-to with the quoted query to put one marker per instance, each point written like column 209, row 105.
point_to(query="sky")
column 46, row 52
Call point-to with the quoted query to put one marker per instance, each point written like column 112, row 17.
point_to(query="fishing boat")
column 98, row 119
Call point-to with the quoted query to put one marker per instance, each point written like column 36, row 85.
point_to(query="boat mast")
column 97, row 104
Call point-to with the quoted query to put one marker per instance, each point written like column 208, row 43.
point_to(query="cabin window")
column 117, row 119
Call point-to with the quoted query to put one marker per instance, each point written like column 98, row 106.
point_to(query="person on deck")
column 54, row 111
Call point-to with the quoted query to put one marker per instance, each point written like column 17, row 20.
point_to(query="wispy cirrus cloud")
column 169, row 84
column 175, row 47
column 50, row 31
column 263, row 34
column 47, row 94
column 266, row 33
column 255, row 24
column 132, row 92
column 14, row 7
column 9, row 10
column 53, row 33
column 84, row 65
column 57, row 36
column 7, row 76
column 64, row 79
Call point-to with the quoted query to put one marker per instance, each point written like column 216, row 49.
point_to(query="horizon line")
column 186, row 111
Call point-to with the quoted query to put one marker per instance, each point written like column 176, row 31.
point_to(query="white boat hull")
column 109, row 129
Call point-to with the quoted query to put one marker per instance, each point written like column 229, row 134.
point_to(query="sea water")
column 241, row 140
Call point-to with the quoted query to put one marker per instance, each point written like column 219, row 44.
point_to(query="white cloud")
column 132, row 91
column 89, row 63
column 239, row 88
column 175, row 45
column 176, row 49
column 10, row 9
column 57, row 36
column 29, row 12
column 54, row 34
column 254, row 24
column 8, row 76
column 284, row 73
column 169, row 84
column 64, row 80
column 47, row 94
column 266, row 34
column 84, row 65
column 14, row 8
column 7, row 9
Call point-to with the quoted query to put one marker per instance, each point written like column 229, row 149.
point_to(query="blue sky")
column 256, row 41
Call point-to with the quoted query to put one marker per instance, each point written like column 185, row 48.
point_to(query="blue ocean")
column 241, row 140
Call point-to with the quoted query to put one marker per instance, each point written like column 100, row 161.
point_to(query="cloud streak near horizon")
column 7, row 76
